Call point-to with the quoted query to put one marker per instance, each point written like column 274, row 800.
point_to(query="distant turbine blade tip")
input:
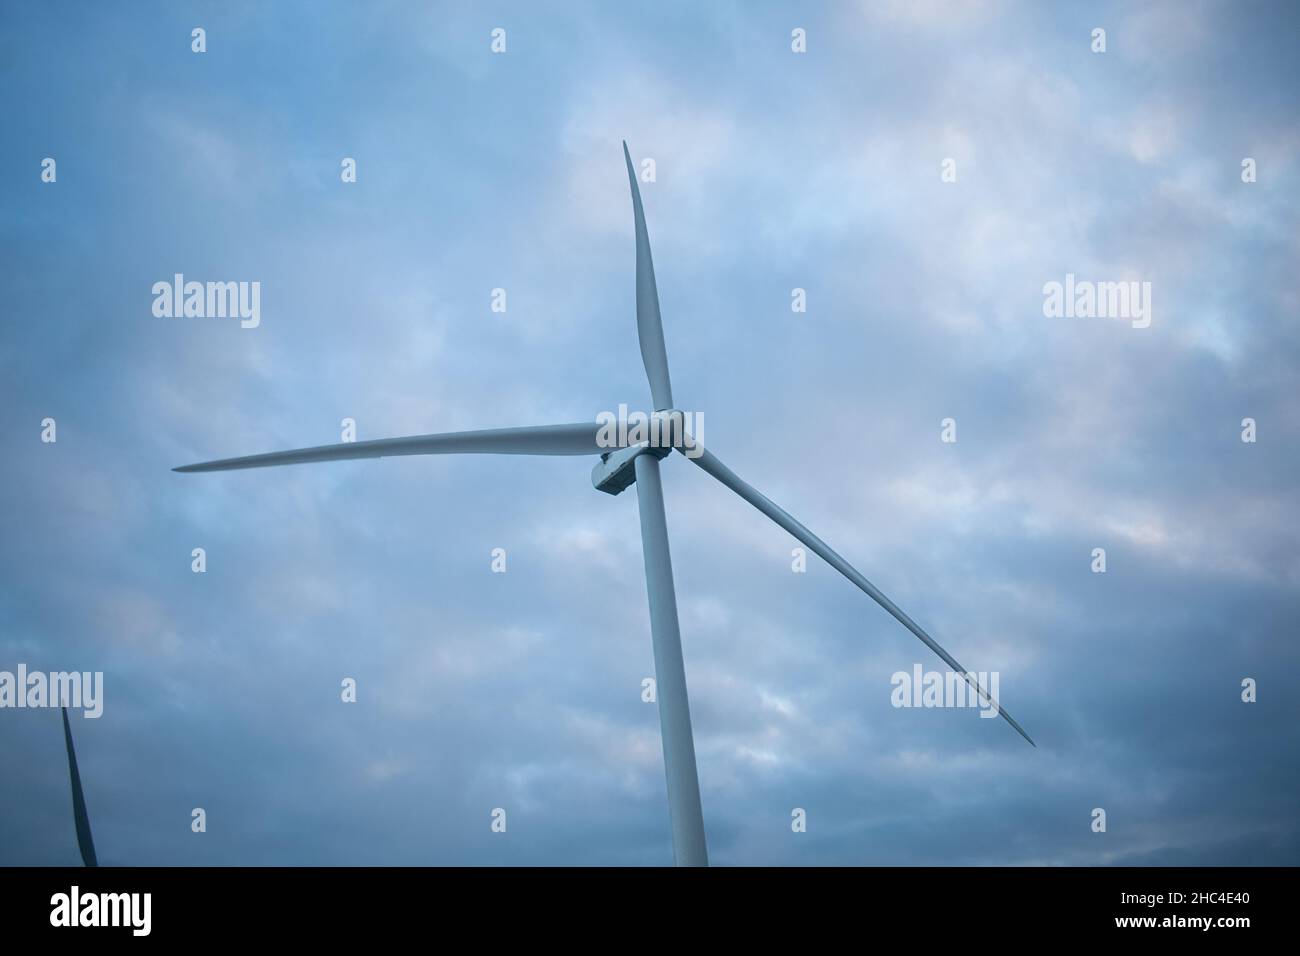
column 1020, row 730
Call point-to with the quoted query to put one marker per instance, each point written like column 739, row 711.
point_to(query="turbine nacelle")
column 616, row 470
column 659, row 434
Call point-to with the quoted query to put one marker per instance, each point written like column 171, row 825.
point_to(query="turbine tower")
column 616, row 470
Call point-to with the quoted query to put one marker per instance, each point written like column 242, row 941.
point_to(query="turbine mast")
column 684, row 811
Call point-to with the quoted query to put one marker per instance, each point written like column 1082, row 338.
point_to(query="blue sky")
column 774, row 171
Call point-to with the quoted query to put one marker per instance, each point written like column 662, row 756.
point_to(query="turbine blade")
column 578, row 439
column 649, row 326
column 84, row 841
column 710, row 463
column 684, row 813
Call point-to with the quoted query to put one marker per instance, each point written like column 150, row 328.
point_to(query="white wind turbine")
column 614, row 472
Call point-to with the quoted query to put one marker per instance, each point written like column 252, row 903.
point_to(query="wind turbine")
column 85, row 843
column 616, row 470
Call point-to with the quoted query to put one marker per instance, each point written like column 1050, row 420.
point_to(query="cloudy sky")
column 774, row 171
